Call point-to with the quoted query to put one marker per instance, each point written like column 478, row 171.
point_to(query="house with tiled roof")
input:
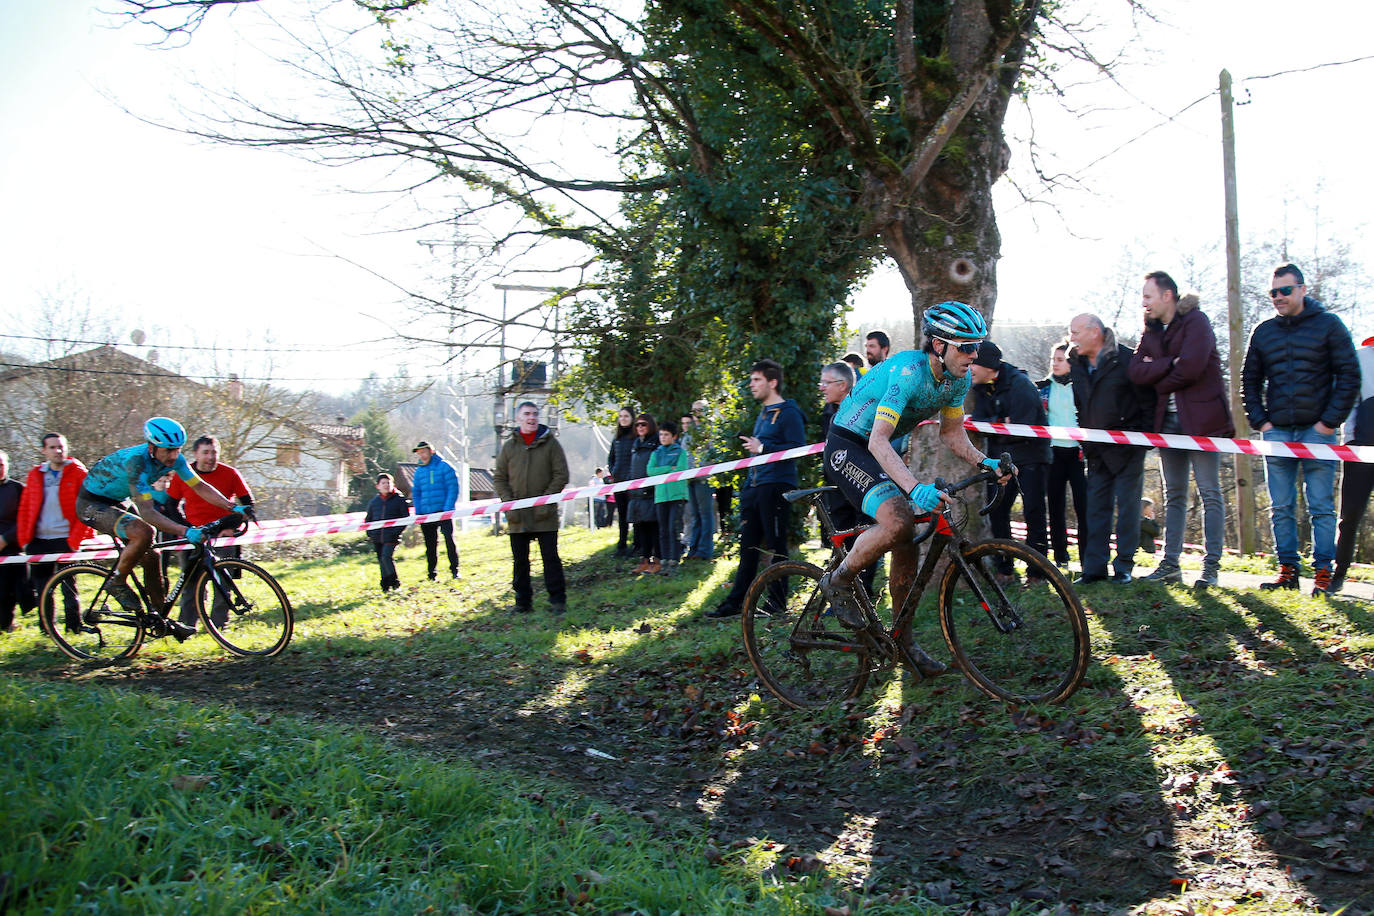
column 100, row 398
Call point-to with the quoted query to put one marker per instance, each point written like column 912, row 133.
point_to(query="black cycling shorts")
column 850, row 466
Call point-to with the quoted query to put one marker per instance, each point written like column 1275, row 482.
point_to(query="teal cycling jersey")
column 902, row 391
column 132, row 472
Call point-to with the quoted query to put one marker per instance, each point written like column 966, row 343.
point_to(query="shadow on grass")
column 636, row 700
column 1261, row 733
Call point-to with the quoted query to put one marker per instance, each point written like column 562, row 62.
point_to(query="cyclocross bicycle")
column 1020, row 637
column 241, row 606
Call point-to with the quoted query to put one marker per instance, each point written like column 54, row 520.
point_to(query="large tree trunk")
column 951, row 246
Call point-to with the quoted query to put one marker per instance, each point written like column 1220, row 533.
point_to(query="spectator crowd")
column 1302, row 379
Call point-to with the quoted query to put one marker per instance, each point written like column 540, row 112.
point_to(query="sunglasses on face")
column 1281, row 291
column 643, row 424
column 968, row 349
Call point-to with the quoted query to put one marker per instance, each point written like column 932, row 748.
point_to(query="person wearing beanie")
column 1002, row 393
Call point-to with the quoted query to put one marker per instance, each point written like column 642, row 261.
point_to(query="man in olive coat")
column 532, row 463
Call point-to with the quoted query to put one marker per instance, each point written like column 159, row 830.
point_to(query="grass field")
column 434, row 752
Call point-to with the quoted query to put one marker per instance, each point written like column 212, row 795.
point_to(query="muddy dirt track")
column 898, row 824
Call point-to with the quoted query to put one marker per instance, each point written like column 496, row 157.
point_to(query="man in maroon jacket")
column 1177, row 356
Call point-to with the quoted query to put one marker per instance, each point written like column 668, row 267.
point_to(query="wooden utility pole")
column 1245, row 468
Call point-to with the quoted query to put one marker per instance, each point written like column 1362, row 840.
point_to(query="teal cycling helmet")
column 954, row 321
column 164, row 433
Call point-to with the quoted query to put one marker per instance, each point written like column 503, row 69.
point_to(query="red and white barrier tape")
column 314, row 526
column 1360, row 453
column 289, row 529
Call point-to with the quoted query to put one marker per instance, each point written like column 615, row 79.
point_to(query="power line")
column 168, row 374
column 1173, row 117
column 1333, row 63
column 355, row 347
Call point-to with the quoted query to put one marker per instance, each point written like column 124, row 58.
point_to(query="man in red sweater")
column 48, row 522
column 205, row 462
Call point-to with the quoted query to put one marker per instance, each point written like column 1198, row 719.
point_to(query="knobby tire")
column 96, row 628
column 800, row 651
column 1045, row 655
column 258, row 621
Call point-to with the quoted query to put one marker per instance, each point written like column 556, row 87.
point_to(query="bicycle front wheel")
column 77, row 612
column 243, row 608
column 798, row 648
column 1014, row 624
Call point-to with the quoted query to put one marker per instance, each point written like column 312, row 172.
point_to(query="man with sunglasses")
column 1301, row 378
column 894, row 396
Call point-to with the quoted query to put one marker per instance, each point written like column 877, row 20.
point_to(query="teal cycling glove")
column 924, row 497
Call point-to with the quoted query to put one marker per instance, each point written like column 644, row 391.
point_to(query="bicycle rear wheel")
column 87, row 624
column 799, row 650
column 247, row 613
column 1021, row 638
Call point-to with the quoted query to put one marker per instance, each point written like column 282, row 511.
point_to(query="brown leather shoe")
column 641, row 568
column 652, row 568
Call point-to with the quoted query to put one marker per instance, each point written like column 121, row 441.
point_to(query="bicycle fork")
column 1000, row 610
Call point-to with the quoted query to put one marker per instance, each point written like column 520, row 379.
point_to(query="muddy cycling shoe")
column 917, row 660
column 119, row 590
column 177, row 630
column 845, row 602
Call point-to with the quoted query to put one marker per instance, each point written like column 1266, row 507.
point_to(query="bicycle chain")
column 883, row 645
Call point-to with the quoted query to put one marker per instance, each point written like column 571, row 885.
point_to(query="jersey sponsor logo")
column 888, row 414
column 856, row 475
column 839, row 458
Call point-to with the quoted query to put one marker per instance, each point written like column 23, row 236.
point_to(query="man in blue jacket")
column 1301, row 378
column 764, row 516
column 435, row 490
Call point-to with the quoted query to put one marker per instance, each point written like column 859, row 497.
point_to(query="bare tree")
column 496, row 104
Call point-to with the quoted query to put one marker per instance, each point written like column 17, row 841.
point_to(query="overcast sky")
column 201, row 244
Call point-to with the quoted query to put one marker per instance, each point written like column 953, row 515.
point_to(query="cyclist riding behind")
column 889, row 401
column 126, row 477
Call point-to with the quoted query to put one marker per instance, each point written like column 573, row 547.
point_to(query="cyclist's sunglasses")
column 968, row 348
column 1281, row 291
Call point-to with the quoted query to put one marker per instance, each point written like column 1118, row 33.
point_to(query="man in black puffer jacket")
column 1107, row 399
column 1002, row 393
column 1301, row 378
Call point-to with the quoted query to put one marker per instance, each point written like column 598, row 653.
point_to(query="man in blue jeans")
column 1178, row 357
column 1301, row 379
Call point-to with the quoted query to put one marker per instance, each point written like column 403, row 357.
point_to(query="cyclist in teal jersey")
column 860, row 459
column 125, row 478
